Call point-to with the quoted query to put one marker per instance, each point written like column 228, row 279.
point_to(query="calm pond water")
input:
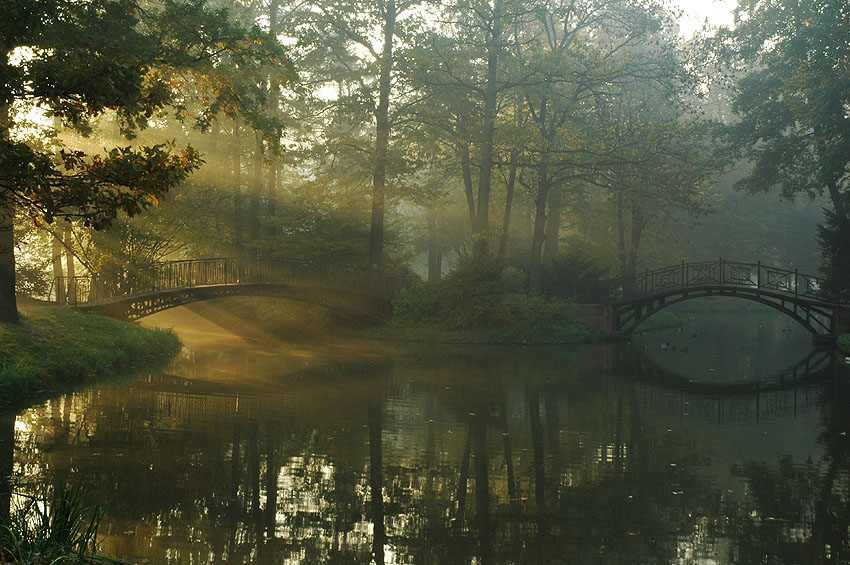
column 724, row 450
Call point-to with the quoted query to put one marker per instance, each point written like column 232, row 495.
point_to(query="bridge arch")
column 139, row 292
column 799, row 296
column 817, row 322
column 140, row 306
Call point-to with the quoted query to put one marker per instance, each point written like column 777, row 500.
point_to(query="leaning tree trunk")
column 838, row 203
column 8, row 303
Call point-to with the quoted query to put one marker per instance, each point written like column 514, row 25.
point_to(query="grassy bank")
column 53, row 349
column 844, row 343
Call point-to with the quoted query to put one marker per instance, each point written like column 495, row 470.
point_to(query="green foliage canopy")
column 76, row 60
column 793, row 103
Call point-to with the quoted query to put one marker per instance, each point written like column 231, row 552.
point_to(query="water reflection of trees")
column 543, row 457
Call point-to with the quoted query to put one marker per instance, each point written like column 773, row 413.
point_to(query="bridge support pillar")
column 598, row 316
column 841, row 325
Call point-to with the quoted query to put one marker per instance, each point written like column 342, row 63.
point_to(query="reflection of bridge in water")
column 138, row 292
column 784, row 393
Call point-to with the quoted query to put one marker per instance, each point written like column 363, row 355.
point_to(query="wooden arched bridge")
column 799, row 296
column 141, row 291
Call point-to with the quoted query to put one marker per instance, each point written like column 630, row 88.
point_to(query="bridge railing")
column 721, row 273
column 190, row 273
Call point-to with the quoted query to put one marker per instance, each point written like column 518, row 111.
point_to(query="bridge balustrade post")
column 795, row 282
column 646, row 280
column 720, row 272
column 758, row 274
column 684, row 280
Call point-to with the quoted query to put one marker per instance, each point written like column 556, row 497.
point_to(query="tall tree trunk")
column 466, row 173
column 621, row 234
column 8, row 302
column 274, row 103
column 256, row 194
column 58, row 272
column 535, row 271
column 70, row 268
column 509, row 200
column 382, row 139
column 482, row 219
column 553, row 224
column 435, row 259
column 236, row 175
column 271, row 191
column 544, row 186
column 637, row 232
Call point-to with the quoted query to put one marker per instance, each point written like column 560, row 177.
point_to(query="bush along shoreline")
column 844, row 343
column 55, row 349
column 473, row 305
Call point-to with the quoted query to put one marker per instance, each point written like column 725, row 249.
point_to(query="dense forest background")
column 564, row 138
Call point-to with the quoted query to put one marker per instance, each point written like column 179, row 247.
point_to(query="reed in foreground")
column 52, row 529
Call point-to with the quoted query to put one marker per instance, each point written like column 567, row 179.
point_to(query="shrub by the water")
column 472, row 305
column 470, row 296
column 574, row 275
column 536, row 310
column 419, row 301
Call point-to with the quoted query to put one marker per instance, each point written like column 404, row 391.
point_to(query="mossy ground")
column 53, row 349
